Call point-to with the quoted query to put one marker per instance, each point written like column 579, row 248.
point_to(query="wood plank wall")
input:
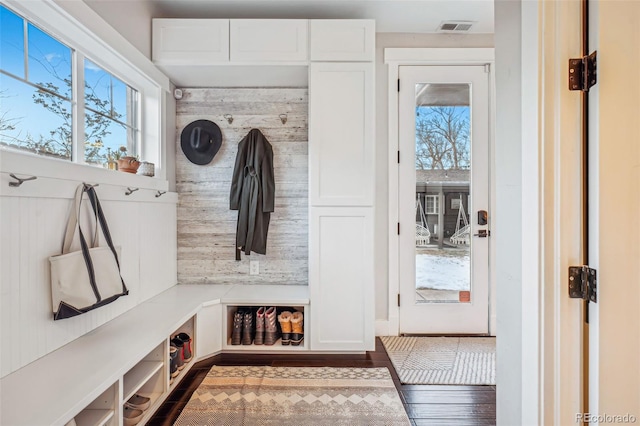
column 206, row 225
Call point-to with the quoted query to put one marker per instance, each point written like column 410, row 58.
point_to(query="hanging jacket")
column 253, row 192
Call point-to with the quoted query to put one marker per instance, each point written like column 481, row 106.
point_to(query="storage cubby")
column 230, row 310
column 147, row 378
column 102, row 411
column 189, row 328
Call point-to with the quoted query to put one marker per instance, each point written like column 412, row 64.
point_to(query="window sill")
column 33, row 165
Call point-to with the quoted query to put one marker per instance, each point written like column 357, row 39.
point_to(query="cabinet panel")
column 269, row 40
column 190, row 41
column 341, row 278
column 209, row 331
column 342, row 39
column 341, row 134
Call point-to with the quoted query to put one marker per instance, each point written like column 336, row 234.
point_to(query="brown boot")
column 297, row 329
column 260, row 326
column 285, row 324
column 270, row 326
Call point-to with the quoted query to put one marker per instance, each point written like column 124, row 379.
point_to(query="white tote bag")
column 86, row 279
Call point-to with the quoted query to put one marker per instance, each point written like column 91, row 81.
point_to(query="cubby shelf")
column 138, row 376
column 277, row 347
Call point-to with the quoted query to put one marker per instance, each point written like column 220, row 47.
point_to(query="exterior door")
column 443, row 199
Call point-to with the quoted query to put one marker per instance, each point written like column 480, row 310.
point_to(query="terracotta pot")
column 128, row 164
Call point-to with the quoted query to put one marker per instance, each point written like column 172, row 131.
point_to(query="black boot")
column 236, row 335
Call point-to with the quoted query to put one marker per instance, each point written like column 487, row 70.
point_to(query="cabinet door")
column 341, row 278
column 342, row 39
column 190, row 41
column 341, row 134
column 208, row 331
column 269, row 40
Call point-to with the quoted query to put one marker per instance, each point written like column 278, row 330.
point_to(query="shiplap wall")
column 32, row 221
column 206, row 225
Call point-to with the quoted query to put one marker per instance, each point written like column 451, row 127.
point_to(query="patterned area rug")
column 295, row 396
column 443, row 360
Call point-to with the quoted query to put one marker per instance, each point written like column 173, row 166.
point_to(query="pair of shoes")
column 243, row 326
column 292, row 327
column 266, row 326
column 138, row 402
column 131, row 416
column 187, row 352
column 182, row 342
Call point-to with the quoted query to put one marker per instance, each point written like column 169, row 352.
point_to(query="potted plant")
column 126, row 163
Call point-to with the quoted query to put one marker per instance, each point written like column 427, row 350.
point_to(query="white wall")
column 507, row 216
column 134, row 24
column 381, row 240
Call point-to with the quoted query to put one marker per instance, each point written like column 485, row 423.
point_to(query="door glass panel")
column 442, row 201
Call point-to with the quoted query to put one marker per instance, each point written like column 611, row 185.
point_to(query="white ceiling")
column 417, row 16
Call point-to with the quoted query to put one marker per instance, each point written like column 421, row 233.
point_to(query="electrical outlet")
column 254, row 267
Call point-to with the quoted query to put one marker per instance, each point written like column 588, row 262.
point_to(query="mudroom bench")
column 91, row 378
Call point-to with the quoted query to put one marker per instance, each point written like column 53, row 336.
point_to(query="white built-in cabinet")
column 178, row 41
column 338, row 56
column 268, row 40
column 345, row 40
column 341, row 184
column 341, row 134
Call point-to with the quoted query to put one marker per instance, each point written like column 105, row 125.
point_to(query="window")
column 431, row 204
column 110, row 112
column 38, row 99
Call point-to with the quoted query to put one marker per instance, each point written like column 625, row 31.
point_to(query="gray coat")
column 253, row 192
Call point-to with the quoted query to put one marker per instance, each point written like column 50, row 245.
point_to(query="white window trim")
column 123, row 61
column 436, row 203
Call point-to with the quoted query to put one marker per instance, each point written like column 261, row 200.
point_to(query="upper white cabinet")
column 342, row 40
column 341, row 134
column 269, row 40
column 190, row 41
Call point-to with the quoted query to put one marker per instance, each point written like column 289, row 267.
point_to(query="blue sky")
column 48, row 61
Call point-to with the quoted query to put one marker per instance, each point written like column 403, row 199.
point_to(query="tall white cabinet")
column 341, row 184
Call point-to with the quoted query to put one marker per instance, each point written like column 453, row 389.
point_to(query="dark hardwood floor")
column 425, row 404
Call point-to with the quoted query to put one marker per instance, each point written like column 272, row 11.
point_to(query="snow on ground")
column 443, row 270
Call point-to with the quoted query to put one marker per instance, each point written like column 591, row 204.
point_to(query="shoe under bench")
column 90, row 378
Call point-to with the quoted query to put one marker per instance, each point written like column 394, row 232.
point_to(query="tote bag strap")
column 74, row 222
column 100, row 219
column 97, row 208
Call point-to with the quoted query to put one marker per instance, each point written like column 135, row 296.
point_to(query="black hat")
column 201, row 141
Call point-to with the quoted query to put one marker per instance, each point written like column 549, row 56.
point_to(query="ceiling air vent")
column 454, row 26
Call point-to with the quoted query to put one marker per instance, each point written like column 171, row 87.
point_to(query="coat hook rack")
column 130, row 191
column 90, row 185
column 229, row 118
column 283, row 118
column 20, row 181
column 159, row 193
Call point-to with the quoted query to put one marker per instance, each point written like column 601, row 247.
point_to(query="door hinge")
column 583, row 283
column 398, row 157
column 487, row 68
column 398, row 299
column 583, row 72
column 398, row 228
column 398, row 85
